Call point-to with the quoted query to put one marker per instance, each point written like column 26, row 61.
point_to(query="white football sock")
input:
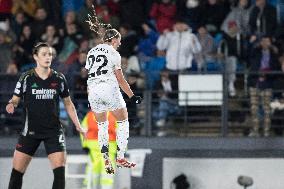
column 122, row 135
column 103, row 136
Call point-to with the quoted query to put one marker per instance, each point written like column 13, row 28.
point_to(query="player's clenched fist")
column 136, row 99
column 10, row 108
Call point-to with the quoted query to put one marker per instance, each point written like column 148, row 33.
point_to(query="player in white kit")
column 105, row 78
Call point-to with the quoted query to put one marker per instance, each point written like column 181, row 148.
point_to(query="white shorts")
column 105, row 97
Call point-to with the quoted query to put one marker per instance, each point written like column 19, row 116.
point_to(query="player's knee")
column 16, row 179
column 124, row 121
column 103, row 125
column 59, row 178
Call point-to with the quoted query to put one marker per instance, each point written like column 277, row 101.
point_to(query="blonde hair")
column 95, row 25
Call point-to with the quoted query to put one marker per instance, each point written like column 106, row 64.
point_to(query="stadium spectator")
column 113, row 7
column 239, row 15
column 53, row 10
column 80, row 86
column 18, row 22
column 5, row 9
column 105, row 16
column 82, row 16
column 29, row 7
column 207, row 55
column 233, row 51
column 180, row 45
column 39, row 23
column 133, row 13
column 129, row 40
column 71, row 5
column 52, row 37
column 153, row 67
column 147, row 44
column 134, row 79
column 190, row 11
column 9, row 125
column 75, row 68
column 12, row 69
column 164, row 14
column 166, row 90
column 130, row 65
column 213, row 14
column 263, row 61
column 7, row 40
column 23, row 49
column 262, row 19
column 70, row 43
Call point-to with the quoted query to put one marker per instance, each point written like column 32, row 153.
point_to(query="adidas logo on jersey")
column 34, row 85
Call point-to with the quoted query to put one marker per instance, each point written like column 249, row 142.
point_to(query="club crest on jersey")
column 44, row 93
column 53, row 85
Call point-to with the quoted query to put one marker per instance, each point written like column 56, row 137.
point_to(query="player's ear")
column 35, row 57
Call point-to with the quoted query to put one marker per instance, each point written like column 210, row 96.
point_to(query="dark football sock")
column 16, row 179
column 59, row 178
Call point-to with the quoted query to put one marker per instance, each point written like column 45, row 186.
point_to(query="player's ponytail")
column 101, row 29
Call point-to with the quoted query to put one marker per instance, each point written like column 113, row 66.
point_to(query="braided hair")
column 101, row 29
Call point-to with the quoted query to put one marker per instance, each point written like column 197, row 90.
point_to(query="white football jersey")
column 101, row 62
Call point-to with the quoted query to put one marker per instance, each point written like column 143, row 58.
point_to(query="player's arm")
column 18, row 92
column 125, row 86
column 123, row 83
column 12, row 104
column 70, row 108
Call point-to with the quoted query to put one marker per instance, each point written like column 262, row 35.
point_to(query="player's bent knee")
column 16, row 179
column 57, row 159
column 59, row 178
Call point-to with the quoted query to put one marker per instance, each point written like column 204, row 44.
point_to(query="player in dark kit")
column 40, row 89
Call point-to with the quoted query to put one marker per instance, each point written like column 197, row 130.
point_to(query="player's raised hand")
column 10, row 108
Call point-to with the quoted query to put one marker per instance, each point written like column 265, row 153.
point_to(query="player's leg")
column 103, row 139
column 56, row 151
column 57, row 160
column 20, row 164
column 103, row 136
column 25, row 149
column 122, row 135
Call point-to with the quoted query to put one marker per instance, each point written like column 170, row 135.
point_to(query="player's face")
column 44, row 57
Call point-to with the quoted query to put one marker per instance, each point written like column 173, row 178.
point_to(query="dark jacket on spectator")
column 268, row 20
column 191, row 15
column 213, row 16
column 255, row 72
column 132, row 12
column 128, row 44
